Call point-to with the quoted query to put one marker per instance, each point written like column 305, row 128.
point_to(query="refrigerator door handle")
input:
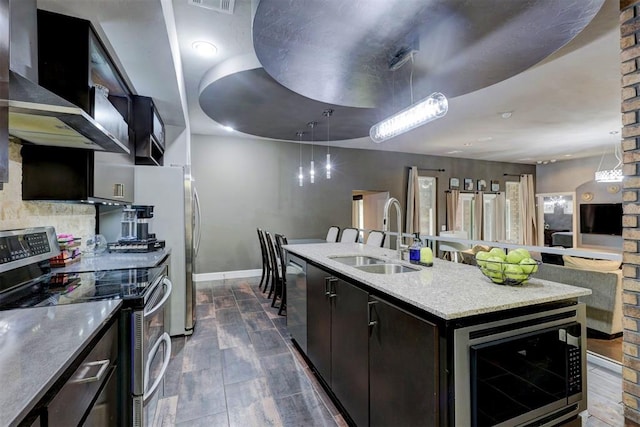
column 197, row 227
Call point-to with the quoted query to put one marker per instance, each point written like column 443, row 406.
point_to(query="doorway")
column 367, row 210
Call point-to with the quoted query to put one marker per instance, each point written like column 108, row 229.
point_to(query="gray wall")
column 246, row 183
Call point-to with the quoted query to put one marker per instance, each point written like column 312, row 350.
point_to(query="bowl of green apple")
column 511, row 269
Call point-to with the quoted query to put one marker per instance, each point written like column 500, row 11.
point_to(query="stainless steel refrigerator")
column 176, row 220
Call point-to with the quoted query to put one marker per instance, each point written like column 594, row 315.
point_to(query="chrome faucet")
column 385, row 223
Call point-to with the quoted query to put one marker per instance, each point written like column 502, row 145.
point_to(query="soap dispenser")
column 414, row 250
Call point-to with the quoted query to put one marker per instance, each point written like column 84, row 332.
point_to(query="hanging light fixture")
column 430, row 108
column 312, row 169
column 327, row 114
column 611, row 175
column 300, row 172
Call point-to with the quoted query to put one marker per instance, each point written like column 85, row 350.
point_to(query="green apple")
column 514, row 272
column 529, row 265
column 498, row 252
column 481, row 257
column 495, row 264
column 525, row 253
column 514, row 257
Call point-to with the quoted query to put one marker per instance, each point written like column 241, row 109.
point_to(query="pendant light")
column 300, row 173
column 312, row 169
column 327, row 114
column 424, row 111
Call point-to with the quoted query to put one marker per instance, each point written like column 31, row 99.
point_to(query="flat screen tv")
column 601, row 218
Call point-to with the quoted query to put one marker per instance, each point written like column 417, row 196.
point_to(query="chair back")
column 281, row 241
column 349, row 235
column 263, row 247
column 453, row 246
column 273, row 256
column 332, row 234
column 375, row 238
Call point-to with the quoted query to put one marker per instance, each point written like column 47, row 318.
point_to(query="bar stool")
column 275, row 273
column 280, row 241
column 453, row 248
column 332, row 234
column 375, row 238
column 349, row 235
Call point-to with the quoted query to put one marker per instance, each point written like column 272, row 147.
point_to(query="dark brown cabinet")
column 319, row 321
column 149, row 132
column 403, row 368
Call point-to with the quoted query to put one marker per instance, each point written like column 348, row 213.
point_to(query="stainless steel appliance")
column 526, row 370
column 135, row 235
column 144, row 345
column 177, row 217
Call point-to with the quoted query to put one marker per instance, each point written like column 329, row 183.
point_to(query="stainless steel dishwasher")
column 297, row 300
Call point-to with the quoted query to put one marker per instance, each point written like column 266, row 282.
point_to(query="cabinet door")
column 297, row 300
column 319, row 321
column 350, row 349
column 114, row 177
column 403, row 368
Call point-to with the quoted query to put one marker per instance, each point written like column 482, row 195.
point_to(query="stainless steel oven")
column 150, row 350
column 526, row 370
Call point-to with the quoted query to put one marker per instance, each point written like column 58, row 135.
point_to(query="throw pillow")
column 590, row 264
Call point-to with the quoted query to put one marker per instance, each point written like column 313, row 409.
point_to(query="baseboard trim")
column 604, row 362
column 222, row 275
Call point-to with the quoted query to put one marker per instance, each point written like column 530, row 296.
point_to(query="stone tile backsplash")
column 75, row 218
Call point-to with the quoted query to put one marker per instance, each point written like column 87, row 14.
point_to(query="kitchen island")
column 416, row 348
column 39, row 350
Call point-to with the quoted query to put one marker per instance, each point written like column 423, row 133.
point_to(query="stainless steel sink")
column 356, row 260
column 386, row 268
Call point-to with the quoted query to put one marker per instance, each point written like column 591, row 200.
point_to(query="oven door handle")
column 167, row 283
column 164, row 338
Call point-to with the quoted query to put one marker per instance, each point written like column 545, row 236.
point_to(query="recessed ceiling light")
column 553, row 160
column 468, row 144
column 614, row 132
column 506, row 114
column 484, row 138
column 227, row 128
column 568, row 155
column 454, row 152
column 204, row 48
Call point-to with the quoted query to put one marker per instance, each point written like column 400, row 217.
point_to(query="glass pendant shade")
column 431, row 108
column 328, row 166
column 312, row 172
column 300, row 177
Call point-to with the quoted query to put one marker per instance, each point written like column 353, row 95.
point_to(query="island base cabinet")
column 319, row 321
column 403, row 368
column 349, row 349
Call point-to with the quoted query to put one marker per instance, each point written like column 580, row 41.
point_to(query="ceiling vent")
column 224, row 6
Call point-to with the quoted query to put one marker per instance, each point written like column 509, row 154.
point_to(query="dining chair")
column 375, row 238
column 266, row 269
column 281, row 241
column 275, row 266
column 332, row 234
column 349, row 235
column 452, row 249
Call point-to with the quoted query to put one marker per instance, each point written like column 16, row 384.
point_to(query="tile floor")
column 240, row 369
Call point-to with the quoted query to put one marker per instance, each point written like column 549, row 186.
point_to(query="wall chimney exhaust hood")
column 41, row 117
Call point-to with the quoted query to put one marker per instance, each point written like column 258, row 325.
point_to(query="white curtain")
column 529, row 231
column 477, row 230
column 453, row 201
column 413, row 202
column 500, row 226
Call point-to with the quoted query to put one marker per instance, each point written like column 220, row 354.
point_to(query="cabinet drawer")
column 75, row 397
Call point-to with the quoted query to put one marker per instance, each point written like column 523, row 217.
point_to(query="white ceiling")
column 563, row 108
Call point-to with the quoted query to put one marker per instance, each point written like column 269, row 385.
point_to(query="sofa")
column 604, row 278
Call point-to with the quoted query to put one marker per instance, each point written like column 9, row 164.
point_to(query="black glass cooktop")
column 69, row 288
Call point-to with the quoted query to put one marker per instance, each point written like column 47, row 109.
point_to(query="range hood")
column 41, row 117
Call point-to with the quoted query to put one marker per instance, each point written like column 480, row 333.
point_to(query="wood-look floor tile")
column 204, row 296
column 243, row 394
column 596, row 422
column 228, row 315
column 203, row 354
column 205, row 329
column 259, row 413
column 257, row 321
column 267, row 342
column 166, row 412
column 233, row 335
column 303, row 409
column 249, row 305
column 215, row 420
column 240, row 364
column 243, row 291
column 177, row 345
column 173, row 376
column 281, row 324
column 201, row 394
column 205, row 311
column 220, row 290
column 226, row 301
column 317, row 387
column 284, row 376
column 272, row 312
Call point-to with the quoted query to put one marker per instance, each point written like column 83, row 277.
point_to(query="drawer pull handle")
column 82, row 378
column 164, row 281
column 370, row 304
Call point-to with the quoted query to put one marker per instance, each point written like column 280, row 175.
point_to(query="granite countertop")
column 448, row 290
column 115, row 261
column 37, row 345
